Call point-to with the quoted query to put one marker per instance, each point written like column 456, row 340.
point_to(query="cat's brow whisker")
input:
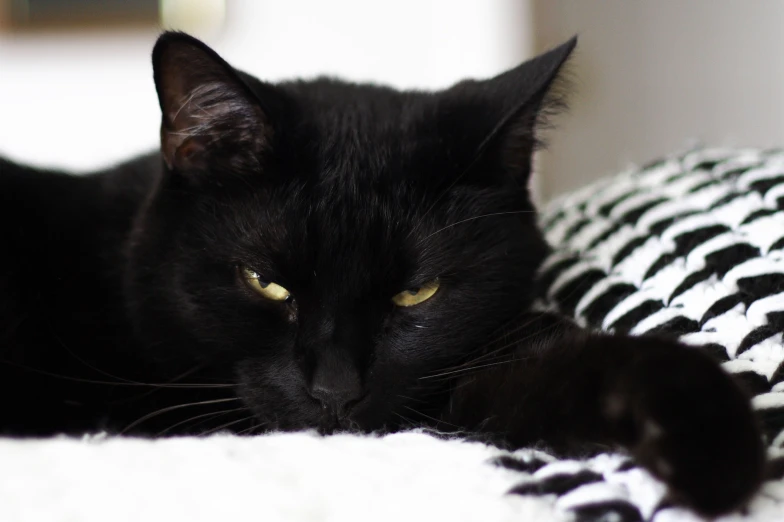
column 173, row 408
column 474, row 160
column 511, row 212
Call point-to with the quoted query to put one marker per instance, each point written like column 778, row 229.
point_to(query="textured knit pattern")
column 690, row 247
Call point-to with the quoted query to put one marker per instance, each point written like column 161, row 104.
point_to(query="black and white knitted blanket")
column 691, row 247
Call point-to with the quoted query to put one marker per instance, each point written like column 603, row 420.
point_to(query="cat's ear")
column 211, row 119
column 501, row 116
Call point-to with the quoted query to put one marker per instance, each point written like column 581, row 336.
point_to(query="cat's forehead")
column 330, row 97
column 371, row 178
column 349, row 129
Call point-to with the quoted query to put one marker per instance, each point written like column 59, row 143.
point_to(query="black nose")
column 338, row 388
column 336, row 400
column 336, row 403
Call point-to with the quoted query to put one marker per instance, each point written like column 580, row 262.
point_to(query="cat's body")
column 255, row 275
column 60, row 294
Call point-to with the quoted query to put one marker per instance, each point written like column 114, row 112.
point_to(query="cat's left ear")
column 498, row 119
column 211, row 119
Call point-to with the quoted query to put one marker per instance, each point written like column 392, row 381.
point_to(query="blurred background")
column 651, row 77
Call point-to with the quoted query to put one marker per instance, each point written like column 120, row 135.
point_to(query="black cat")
column 335, row 256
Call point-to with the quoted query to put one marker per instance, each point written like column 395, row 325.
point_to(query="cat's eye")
column 415, row 296
column 267, row 289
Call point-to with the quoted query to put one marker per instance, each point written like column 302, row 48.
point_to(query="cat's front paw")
column 693, row 427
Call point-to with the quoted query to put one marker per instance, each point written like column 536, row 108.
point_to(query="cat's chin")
column 325, row 427
column 364, row 417
column 336, row 426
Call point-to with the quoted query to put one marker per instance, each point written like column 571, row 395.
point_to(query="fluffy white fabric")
column 305, row 477
column 297, row 477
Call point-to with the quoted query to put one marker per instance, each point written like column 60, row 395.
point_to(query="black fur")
column 122, row 306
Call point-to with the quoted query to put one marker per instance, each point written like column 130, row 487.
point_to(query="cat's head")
column 333, row 247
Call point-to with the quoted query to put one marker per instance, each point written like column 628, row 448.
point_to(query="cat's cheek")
column 273, row 389
column 372, row 413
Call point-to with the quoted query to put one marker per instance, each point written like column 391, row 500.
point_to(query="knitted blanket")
column 690, row 246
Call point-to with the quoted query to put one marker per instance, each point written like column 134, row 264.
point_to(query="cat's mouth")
column 333, row 424
column 345, row 419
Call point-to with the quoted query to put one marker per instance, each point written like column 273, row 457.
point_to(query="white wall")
column 652, row 77
column 656, row 76
column 81, row 101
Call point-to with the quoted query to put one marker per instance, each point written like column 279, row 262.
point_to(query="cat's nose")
column 336, row 402
column 338, row 389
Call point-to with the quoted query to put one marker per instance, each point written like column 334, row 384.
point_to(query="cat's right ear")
column 496, row 122
column 211, row 119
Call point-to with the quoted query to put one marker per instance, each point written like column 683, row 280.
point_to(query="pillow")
column 689, row 247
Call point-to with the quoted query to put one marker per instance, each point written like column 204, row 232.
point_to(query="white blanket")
column 305, row 477
column 298, row 477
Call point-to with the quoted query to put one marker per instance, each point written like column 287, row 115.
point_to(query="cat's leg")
column 672, row 406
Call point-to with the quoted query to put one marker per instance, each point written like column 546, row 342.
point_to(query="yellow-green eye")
column 415, row 296
column 268, row 289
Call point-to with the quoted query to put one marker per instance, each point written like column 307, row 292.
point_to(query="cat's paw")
column 693, row 427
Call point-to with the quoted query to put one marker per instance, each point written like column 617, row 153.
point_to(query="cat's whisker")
column 469, row 365
column 223, row 426
column 504, row 347
column 439, row 421
column 249, row 431
column 197, row 417
column 156, row 388
column 85, row 363
column 123, row 379
column 511, row 321
column 110, row 383
column 461, row 385
column 520, row 340
column 411, row 398
column 491, row 353
column 487, row 357
column 405, row 419
column 173, row 408
column 471, row 368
